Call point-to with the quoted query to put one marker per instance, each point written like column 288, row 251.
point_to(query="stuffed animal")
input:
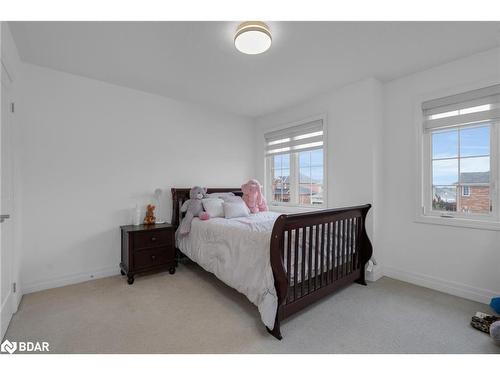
column 150, row 215
column 495, row 332
column 253, row 197
column 193, row 207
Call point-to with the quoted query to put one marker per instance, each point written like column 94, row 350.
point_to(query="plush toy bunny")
column 253, row 197
column 193, row 207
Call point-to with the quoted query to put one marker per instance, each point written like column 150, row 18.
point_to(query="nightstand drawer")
column 153, row 238
column 153, row 257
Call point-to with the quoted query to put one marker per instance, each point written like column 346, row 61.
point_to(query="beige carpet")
column 193, row 312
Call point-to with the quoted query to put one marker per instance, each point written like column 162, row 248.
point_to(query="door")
column 7, row 258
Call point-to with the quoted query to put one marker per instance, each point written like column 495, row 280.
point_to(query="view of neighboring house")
column 310, row 192
column 475, row 192
column 472, row 195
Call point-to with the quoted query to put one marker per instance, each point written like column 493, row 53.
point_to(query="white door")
column 7, row 257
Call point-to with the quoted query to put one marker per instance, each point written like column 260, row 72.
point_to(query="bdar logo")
column 9, row 347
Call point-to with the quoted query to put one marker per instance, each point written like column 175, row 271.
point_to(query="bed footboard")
column 313, row 254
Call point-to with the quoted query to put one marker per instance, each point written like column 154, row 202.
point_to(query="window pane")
column 281, row 187
column 305, row 175
column 304, row 159
column 317, row 175
column 305, row 193
column 475, row 170
column 317, row 194
column 317, row 158
column 445, row 144
column 307, row 186
column 475, row 141
column 286, row 161
column 476, row 200
column 444, row 198
column 445, row 172
column 277, row 161
column 279, row 173
column 475, row 176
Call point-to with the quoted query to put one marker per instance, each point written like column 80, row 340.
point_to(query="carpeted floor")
column 193, row 312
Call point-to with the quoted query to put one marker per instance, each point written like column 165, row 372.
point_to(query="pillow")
column 235, row 209
column 220, row 195
column 213, row 206
column 232, row 198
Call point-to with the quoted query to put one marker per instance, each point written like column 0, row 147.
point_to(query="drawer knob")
column 153, row 238
column 153, row 257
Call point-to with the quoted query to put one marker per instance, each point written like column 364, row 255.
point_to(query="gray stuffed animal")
column 495, row 332
column 193, row 207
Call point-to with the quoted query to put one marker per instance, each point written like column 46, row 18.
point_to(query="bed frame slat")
column 303, row 266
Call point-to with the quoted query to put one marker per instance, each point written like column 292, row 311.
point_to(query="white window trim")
column 267, row 168
column 490, row 222
column 463, row 190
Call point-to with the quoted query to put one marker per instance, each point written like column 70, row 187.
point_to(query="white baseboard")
column 449, row 287
column 70, row 279
column 5, row 314
column 18, row 296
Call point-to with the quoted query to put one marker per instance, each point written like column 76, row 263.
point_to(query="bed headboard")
column 180, row 195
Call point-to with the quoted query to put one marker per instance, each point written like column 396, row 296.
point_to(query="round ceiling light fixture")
column 252, row 37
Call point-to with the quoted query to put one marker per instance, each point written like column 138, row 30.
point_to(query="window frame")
column 464, row 194
column 294, row 168
column 423, row 205
column 427, row 203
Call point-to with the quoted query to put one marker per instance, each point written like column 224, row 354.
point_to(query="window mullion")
column 294, row 178
column 495, row 169
column 459, row 184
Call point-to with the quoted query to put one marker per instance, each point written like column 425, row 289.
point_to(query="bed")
column 281, row 262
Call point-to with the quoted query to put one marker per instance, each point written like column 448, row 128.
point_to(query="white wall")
column 92, row 150
column 354, row 121
column 461, row 261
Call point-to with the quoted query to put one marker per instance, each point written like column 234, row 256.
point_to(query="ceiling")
column 197, row 61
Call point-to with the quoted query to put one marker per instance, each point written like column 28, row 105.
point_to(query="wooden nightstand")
column 147, row 248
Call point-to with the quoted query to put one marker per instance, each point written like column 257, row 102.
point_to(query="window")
column 460, row 160
column 295, row 165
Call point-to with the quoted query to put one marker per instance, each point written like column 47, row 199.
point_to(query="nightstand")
column 147, row 248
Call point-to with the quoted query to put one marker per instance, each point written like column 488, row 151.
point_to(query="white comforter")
column 237, row 252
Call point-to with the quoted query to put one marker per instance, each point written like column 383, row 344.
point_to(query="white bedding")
column 237, row 252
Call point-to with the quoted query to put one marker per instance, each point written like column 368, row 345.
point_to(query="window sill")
column 459, row 222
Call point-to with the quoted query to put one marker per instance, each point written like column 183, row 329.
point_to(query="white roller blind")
column 307, row 136
column 469, row 107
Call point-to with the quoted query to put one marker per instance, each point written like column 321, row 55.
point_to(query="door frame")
column 12, row 300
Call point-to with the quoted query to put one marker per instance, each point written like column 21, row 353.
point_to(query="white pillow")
column 220, row 195
column 235, row 209
column 213, row 206
column 232, row 199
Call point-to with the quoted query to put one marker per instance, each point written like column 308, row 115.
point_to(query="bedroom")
column 378, row 162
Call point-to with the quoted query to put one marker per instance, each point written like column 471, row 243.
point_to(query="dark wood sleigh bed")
column 312, row 254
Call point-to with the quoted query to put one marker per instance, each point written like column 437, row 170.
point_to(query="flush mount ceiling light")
column 252, row 37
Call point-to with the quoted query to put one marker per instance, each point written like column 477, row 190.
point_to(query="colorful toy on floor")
column 495, row 304
column 483, row 321
column 495, row 332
